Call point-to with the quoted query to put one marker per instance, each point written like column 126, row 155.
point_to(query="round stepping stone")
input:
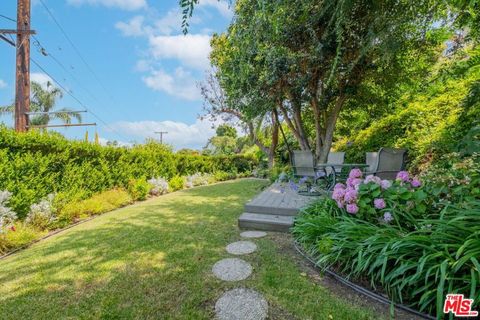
column 241, row 303
column 232, row 269
column 253, row 234
column 241, row 247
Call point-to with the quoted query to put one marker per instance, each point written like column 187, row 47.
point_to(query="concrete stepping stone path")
column 232, row 269
column 253, row 234
column 241, row 247
column 241, row 303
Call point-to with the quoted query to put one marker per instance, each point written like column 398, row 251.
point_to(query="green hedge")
column 34, row 164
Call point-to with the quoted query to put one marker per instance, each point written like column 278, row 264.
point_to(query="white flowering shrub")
column 199, row 179
column 7, row 215
column 42, row 214
column 159, row 186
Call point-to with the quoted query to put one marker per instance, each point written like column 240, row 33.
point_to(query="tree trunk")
column 273, row 146
column 268, row 150
column 324, row 138
column 296, row 127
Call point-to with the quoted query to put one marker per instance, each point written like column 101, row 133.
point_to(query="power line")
column 76, row 99
column 41, row 49
column 8, row 18
column 77, row 51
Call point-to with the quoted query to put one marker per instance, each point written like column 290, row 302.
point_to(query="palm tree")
column 44, row 100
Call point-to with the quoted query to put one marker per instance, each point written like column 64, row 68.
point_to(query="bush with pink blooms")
column 370, row 198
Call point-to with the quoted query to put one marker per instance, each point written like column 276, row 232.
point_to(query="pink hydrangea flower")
column 352, row 208
column 355, row 173
column 353, row 182
column 415, row 183
column 385, row 184
column 350, row 195
column 372, row 178
column 338, row 194
column 379, row 203
column 340, row 186
column 403, row 176
column 340, row 204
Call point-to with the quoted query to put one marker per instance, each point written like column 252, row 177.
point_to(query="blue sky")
column 147, row 68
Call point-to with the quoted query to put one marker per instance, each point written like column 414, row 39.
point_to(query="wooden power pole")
column 22, row 74
column 161, row 133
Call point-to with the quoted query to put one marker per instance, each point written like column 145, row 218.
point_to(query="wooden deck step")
column 280, row 211
column 268, row 222
column 278, row 199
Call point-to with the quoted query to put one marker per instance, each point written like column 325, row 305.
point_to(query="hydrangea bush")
column 159, row 186
column 42, row 214
column 401, row 201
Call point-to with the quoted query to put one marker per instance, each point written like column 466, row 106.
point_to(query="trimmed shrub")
column 99, row 203
column 138, row 188
column 35, row 164
column 18, row 236
column 176, row 183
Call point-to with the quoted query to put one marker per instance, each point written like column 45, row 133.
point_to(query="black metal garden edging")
column 370, row 294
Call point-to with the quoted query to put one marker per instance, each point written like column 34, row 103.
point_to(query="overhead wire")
column 8, row 18
column 77, row 100
column 77, row 51
column 44, row 52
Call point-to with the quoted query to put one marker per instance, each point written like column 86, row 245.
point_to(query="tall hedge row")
column 34, row 164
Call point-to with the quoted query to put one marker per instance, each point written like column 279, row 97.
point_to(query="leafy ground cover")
column 153, row 260
column 416, row 241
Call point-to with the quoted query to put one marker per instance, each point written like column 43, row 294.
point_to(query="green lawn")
column 153, row 260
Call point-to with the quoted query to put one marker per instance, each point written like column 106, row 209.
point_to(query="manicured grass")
column 153, row 260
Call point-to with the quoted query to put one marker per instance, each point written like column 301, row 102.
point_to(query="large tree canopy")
column 306, row 60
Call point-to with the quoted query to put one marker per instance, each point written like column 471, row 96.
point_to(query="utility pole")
column 22, row 66
column 161, row 133
column 22, row 75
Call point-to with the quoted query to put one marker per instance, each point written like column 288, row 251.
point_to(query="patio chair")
column 371, row 160
column 388, row 162
column 303, row 164
column 336, row 158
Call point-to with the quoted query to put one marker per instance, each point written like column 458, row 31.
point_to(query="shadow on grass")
column 148, row 260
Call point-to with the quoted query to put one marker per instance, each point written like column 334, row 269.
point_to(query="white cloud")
column 179, row 84
column 168, row 24
column 133, row 28
column 167, row 45
column 3, row 84
column 191, row 49
column 180, row 134
column 104, row 142
column 122, row 4
column 41, row 78
column 222, row 6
